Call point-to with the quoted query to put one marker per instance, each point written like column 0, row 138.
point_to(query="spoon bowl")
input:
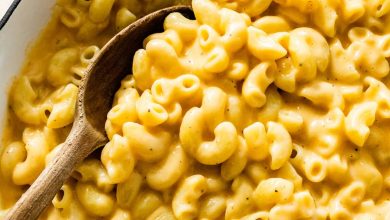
column 95, row 99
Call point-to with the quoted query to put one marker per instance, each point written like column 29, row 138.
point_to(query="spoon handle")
column 80, row 142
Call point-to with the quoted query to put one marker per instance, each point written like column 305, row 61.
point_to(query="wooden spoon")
column 95, row 98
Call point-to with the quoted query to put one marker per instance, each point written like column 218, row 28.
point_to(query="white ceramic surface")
column 4, row 4
column 23, row 27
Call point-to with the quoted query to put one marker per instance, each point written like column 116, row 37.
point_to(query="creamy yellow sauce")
column 257, row 109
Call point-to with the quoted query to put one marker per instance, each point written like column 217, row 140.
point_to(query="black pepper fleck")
column 293, row 153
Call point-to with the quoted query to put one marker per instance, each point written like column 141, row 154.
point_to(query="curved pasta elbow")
column 208, row 37
column 123, row 18
column 162, row 91
column 88, row 56
column 313, row 166
column 212, row 207
column 38, row 143
column 150, row 113
column 163, row 55
column 287, row 75
column 272, row 24
column 217, row 60
column 264, row 47
column 95, row 202
column 221, row 148
column 29, row 113
column 22, row 98
column 167, row 172
column 145, row 203
column 142, row 65
column 13, row 154
column 63, row 111
column 280, row 146
column 124, row 107
column 64, row 198
column 99, row 10
column 255, row 137
column 272, row 191
column 122, row 112
column 59, row 70
column 259, row 78
column 185, row 27
column 207, row 152
column 186, row 199
column 118, row 159
column 206, row 12
column 302, row 56
column 235, row 29
column 187, row 86
column 171, row 36
column 71, row 17
column 358, row 121
column 148, row 144
column 127, row 191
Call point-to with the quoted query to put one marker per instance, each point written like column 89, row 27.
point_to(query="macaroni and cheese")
column 257, row 109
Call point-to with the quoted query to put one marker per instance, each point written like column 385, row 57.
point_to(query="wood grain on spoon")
column 94, row 101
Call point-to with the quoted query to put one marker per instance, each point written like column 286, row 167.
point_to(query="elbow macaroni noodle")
column 257, row 109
